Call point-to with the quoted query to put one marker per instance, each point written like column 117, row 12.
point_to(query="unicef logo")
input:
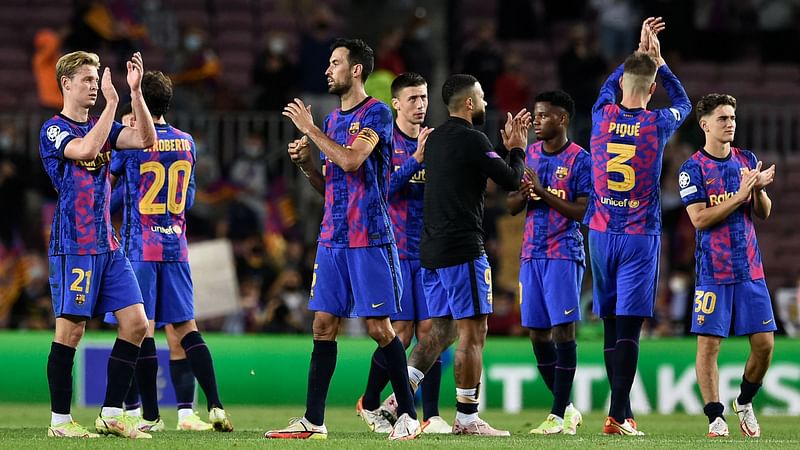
column 52, row 132
column 684, row 180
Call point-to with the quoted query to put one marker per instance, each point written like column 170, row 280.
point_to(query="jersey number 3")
column 148, row 204
column 623, row 152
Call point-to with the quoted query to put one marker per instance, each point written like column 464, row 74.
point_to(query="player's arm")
column 516, row 201
column 348, row 158
column 412, row 165
column 403, row 174
column 300, row 154
column 143, row 135
column 515, row 139
column 650, row 44
column 762, row 204
column 609, row 90
column 87, row 147
column 681, row 105
column 191, row 190
column 572, row 210
column 507, row 176
column 704, row 217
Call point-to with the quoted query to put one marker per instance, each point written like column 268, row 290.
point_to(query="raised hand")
column 765, row 177
column 651, row 24
column 135, row 72
column 654, row 48
column 419, row 155
column 300, row 114
column 515, row 130
column 107, row 86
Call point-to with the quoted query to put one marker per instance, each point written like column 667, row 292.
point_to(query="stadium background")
column 235, row 63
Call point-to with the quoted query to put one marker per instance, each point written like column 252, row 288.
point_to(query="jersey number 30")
column 623, row 152
column 148, row 204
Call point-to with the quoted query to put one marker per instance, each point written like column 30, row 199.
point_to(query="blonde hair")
column 639, row 72
column 68, row 64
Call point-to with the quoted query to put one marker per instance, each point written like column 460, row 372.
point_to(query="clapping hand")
column 107, row 86
column 765, row 177
column 748, row 182
column 135, row 72
column 515, row 130
column 419, row 155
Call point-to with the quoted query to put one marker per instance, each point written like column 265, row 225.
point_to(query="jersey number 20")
column 148, row 205
column 617, row 164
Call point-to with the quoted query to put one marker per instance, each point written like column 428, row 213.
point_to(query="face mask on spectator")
column 422, row 33
column 253, row 150
column 277, row 46
column 192, row 42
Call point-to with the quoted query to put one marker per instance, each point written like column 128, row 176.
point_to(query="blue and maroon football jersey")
column 566, row 173
column 82, row 220
column 356, row 212
column 627, row 146
column 406, row 191
column 728, row 251
column 158, row 187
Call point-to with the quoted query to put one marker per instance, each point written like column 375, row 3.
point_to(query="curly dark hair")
column 709, row 103
column 558, row 98
column 157, row 91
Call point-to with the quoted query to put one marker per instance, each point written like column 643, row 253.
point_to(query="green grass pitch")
column 24, row 427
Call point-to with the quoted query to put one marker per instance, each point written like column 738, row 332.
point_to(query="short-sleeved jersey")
column 158, row 186
column 627, row 146
column 406, row 192
column 728, row 251
column 356, row 212
column 566, row 173
column 82, row 220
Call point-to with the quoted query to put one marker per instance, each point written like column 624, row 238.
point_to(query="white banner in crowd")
column 216, row 292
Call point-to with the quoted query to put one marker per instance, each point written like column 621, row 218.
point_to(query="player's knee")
column 324, row 330
column 762, row 349
column 75, row 336
column 380, row 331
column 481, row 329
column 564, row 333
column 475, row 335
column 539, row 336
column 405, row 339
column 404, row 333
column 134, row 328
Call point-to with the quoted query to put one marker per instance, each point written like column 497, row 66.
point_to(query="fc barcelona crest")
column 562, row 172
column 354, row 127
column 701, row 319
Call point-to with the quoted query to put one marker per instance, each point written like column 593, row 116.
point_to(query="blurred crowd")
column 271, row 220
